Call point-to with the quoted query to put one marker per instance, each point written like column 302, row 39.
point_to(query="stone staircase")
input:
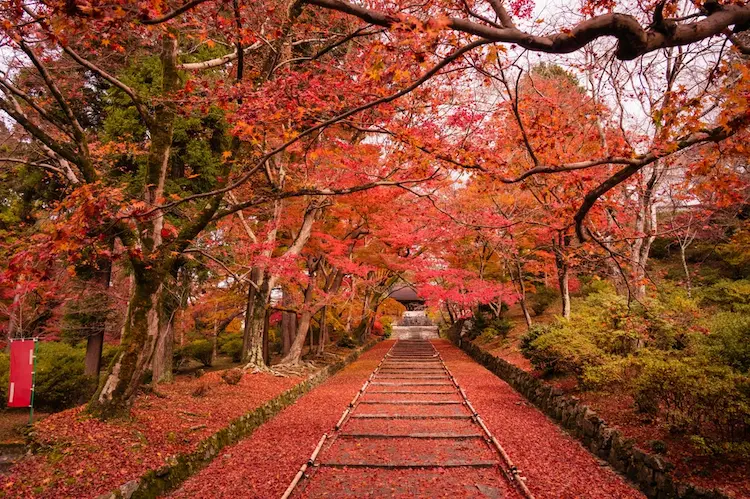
column 415, row 325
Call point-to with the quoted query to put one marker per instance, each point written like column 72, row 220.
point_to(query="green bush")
column 346, row 341
column 729, row 341
column 542, row 299
column 595, row 285
column 60, row 381
column 691, row 373
column 533, row 333
column 693, row 396
column 199, row 350
column 488, row 327
column 729, row 295
column 564, row 351
column 499, row 327
column 231, row 345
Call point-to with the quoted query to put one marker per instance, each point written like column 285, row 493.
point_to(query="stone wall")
column 651, row 473
column 181, row 467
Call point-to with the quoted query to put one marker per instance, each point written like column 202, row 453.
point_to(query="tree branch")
column 632, row 39
column 171, row 15
column 137, row 102
column 715, row 135
column 331, row 121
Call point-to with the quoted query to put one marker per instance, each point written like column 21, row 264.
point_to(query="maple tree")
column 316, row 145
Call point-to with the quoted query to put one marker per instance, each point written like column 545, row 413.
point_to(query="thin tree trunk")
column 525, row 309
column 215, row 337
column 688, row 280
column 521, row 291
column 563, row 273
column 323, row 338
column 288, row 328
column 95, row 340
column 162, row 365
column 295, row 352
column 266, row 327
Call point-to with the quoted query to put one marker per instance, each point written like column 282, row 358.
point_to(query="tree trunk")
column 255, row 314
column 140, row 334
column 646, row 224
column 525, row 309
column 563, row 272
column 521, row 290
column 288, row 324
column 688, row 281
column 266, row 327
column 295, row 352
column 215, row 337
column 94, row 346
column 95, row 340
column 162, row 365
column 564, row 280
column 323, row 330
column 288, row 327
column 255, row 317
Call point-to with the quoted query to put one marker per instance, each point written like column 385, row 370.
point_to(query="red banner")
column 21, row 373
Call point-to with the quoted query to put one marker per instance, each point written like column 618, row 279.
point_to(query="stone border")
column 651, row 473
column 181, row 467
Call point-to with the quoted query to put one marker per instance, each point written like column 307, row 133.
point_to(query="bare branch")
column 633, row 39
column 171, row 15
column 502, row 14
column 715, row 135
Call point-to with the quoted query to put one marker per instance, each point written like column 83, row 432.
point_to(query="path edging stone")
column 650, row 472
column 182, row 466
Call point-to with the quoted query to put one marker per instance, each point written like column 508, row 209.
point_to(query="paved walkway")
column 411, row 433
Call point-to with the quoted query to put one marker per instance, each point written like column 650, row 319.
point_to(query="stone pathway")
column 410, row 432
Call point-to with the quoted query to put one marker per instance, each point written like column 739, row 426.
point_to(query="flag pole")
column 33, row 384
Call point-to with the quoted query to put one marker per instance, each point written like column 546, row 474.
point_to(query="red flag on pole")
column 21, row 373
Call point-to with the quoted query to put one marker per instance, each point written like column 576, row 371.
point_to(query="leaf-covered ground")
column 555, row 465
column 89, row 457
column 264, row 464
column 618, row 409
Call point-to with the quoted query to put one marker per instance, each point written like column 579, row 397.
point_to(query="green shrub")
column 60, row 381
column 499, row 327
column 729, row 295
column 596, row 285
column 564, row 351
column 542, row 299
column 694, row 397
column 607, row 375
column 658, row 446
column 346, row 341
column 231, row 345
column 488, row 327
column 729, row 341
column 533, row 333
column 199, row 350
